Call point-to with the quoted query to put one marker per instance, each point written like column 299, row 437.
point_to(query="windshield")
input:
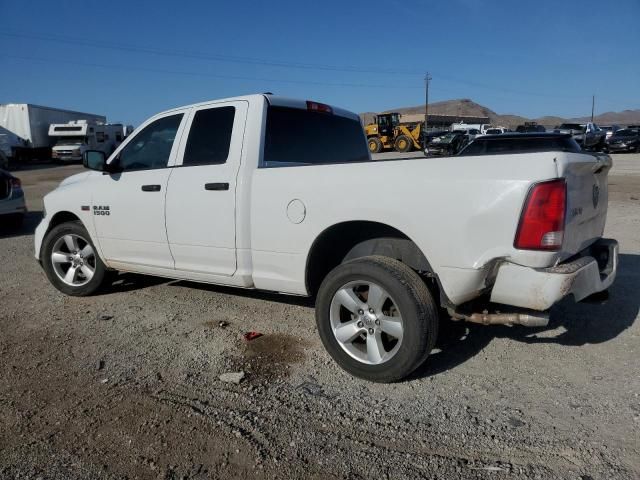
column 70, row 140
column 571, row 126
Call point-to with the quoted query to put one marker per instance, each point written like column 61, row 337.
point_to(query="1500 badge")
column 101, row 210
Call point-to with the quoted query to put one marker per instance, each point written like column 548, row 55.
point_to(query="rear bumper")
column 620, row 148
column 12, row 205
column 67, row 158
column 592, row 270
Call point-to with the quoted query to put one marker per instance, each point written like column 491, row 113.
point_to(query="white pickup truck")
column 277, row 194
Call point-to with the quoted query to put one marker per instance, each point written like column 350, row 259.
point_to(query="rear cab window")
column 295, row 136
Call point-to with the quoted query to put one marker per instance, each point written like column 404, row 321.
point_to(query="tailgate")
column 587, row 198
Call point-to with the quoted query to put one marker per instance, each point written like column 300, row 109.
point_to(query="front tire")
column 374, row 144
column 403, row 144
column 70, row 260
column 376, row 318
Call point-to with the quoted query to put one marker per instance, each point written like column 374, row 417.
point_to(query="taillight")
column 318, row 107
column 542, row 221
column 16, row 183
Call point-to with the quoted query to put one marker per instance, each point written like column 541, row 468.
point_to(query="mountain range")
column 467, row 107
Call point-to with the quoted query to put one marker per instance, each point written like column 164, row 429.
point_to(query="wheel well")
column 62, row 217
column 349, row 240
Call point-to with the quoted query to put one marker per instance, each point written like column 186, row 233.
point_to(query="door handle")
column 216, row 186
column 150, row 188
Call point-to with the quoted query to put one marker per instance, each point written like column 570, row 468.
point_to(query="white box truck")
column 29, row 125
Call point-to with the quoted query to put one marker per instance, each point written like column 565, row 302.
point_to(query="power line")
column 204, row 74
column 207, row 56
column 275, row 63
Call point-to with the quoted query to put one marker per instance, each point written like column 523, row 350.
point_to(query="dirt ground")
column 125, row 384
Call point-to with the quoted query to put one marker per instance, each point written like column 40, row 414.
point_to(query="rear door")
column 200, row 202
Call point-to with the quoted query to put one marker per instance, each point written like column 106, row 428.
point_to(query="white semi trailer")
column 29, row 126
column 73, row 138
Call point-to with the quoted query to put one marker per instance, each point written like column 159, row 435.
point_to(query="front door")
column 201, row 195
column 129, row 206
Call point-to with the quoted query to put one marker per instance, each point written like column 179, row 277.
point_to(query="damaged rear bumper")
column 590, row 271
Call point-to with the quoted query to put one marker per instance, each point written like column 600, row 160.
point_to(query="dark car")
column 429, row 136
column 529, row 127
column 609, row 129
column 449, row 143
column 625, row 140
column 521, row 143
column 12, row 204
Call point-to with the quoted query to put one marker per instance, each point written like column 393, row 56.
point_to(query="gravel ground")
column 126, row 384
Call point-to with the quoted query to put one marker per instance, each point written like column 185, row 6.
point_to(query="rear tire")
column 375, row 145
column 388, row 342
column 70, row 260
column 403, row 144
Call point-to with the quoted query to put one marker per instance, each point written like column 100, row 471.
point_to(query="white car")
column 495, row 131
column 279, row 194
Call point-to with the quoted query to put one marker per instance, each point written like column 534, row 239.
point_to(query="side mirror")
column 94, row 160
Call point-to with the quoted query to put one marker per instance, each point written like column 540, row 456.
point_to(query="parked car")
column 469, row 133
column 12, row 203
column 496, row 131
column 529, row 127
column 429, row 136
column 588, row 135
column 265, row 198
column 521, row 143
column 449, row 143
column 625, row 140
column 609, row 130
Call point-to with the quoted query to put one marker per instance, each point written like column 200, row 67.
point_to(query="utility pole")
column 593, row 106
column 427, row 79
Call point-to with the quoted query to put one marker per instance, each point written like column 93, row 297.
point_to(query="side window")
column 100, row 137
column 210, row 137
column 151, row 147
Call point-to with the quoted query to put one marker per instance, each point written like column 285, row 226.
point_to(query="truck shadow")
column 257, row 294
column 31, row 221
column 124, row 282
column 571, row 324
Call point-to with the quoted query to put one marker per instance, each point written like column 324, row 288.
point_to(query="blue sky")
column 131, row 59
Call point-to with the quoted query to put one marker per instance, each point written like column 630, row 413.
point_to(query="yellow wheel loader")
column 387, row 132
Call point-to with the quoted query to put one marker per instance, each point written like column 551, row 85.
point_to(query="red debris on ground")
column 251, row 336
